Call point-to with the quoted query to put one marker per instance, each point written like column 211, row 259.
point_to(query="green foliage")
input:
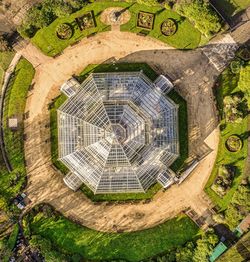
column 13, row 237
column 186, row 253
column 228, row 85
column 186, row 37
column 14, row 106
column 205, row 246
column 244, row 81
column 200, row 12
column 239, row 206
column 44, row 13
column 70, row 238
column 46, row 249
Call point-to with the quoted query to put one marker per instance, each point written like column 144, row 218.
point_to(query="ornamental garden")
column 54, row 235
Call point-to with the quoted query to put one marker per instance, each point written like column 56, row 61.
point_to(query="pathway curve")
column 194, row 78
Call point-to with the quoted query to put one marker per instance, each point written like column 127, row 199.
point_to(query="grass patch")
column 71, row 238
column 13, row 237
column 228, row 84
column 186, row 37
column 5, row 59
column 14, row 105
column 183, row 131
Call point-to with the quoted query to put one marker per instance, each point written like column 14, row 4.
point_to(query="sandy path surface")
column 193, row 77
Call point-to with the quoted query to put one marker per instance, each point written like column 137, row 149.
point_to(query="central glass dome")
column 118, row 133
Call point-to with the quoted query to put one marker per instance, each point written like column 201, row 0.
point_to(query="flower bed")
column 145, row 20
column 224, row 179
column 64, row 31
column 86, row 21
column 168, row 27
column 233, row 143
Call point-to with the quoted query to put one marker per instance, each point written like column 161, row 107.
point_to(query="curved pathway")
column 194, row 79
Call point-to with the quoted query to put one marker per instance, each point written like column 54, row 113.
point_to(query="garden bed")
column 86, row 21
column 64, row 31
column 168, row 27
column 145, row 20
column 234, row 143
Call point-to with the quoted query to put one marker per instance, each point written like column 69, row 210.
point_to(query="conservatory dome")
column 118, row 132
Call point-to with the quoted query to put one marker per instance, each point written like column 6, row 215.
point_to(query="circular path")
column 194, row 78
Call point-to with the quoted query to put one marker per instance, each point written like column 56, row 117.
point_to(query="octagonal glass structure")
column 118, row 133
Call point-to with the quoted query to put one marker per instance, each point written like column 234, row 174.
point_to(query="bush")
column 46, row 12
column 232, row 105
column 200, row 12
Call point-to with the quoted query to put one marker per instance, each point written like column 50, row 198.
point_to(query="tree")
column 200, row 12
column 186, row 253
column 205, row 246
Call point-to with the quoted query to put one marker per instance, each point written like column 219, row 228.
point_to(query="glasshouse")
column 118, row 132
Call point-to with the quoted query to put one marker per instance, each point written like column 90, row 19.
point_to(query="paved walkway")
column 193, row 77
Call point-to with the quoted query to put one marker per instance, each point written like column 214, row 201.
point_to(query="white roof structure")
column 118, row 133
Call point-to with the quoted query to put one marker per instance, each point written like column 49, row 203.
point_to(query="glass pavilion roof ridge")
column 118, row 132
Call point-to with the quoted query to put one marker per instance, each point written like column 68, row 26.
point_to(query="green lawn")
column 5, row 59
column 183, row 131
column 14, row 106
column 228, row 84
column 187, row 37
column 70, row 238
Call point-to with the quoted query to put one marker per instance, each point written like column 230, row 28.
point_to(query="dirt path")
column 193, row 76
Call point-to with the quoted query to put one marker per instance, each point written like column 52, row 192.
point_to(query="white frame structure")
column 119, row 133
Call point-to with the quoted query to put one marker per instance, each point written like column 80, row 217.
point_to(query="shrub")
column 200, row 12
column 232, row 111
column 235, row 66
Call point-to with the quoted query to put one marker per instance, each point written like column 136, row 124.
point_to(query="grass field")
column 187, row 37
column 228, row 85
column 14, row 106
column 71, row 238
column 183, row 132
